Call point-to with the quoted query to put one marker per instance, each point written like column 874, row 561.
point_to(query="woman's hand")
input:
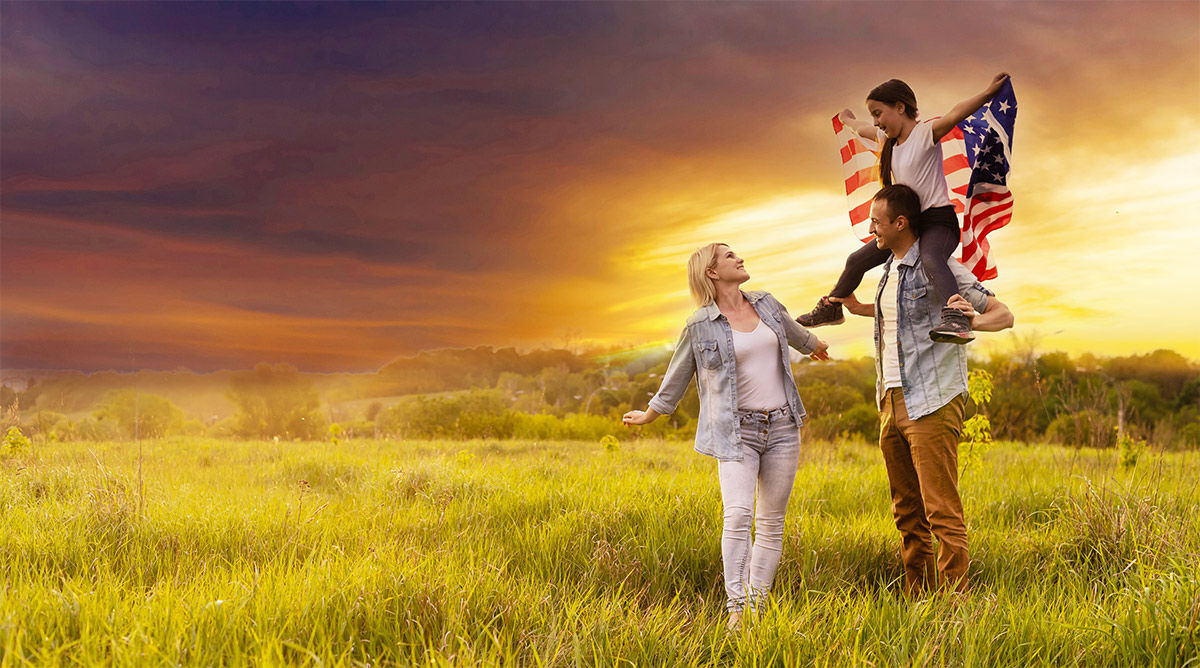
column 821, row 352
column 639, row 417
column 846, row 116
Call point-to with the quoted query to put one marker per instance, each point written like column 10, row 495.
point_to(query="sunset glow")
column 336, row 185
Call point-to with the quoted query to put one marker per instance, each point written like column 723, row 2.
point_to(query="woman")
column 750, row 413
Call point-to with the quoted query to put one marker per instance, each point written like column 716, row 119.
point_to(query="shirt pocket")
column 708, row 354
column 915, row 293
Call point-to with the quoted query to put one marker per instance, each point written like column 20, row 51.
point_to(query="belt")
column 782, row 411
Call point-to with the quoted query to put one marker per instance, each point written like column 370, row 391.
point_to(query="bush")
column 860, row 421
column 15, row 443
column 1085, row 428
column 140, row 415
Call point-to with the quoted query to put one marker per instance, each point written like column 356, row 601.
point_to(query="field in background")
column 567, row 553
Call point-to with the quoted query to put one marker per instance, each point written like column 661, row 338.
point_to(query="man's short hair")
column 901, row 201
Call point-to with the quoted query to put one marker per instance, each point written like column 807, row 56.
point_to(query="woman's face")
column 729, row 268
column 888, row 117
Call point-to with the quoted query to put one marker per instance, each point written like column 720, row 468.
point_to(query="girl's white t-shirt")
column 917, row 163
column 759, row 369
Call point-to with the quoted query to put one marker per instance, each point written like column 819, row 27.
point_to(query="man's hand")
column 821, row 352
column 959, row 302
column 854, row 306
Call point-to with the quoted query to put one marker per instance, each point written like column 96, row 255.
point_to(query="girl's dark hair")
column 891, row 92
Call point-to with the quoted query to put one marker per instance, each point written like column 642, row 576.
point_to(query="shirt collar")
column 711, row 311
column 910, row 258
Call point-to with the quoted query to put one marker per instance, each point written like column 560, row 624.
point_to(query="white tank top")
column 759, row 369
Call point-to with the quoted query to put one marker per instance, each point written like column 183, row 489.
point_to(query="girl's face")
column 729, row 267
column 888, row 117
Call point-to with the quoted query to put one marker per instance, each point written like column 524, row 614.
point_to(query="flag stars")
column 1004, row 106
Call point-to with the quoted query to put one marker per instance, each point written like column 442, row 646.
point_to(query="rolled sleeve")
column 970, row 288
column 679, row 374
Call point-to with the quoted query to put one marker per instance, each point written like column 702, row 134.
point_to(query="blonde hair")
column 705, row 258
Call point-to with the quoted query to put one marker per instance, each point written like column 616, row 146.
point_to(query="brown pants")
column 922, row 464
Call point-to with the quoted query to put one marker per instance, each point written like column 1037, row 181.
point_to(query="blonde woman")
column 736, row 345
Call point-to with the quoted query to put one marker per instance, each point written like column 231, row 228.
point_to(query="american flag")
column 976, row 156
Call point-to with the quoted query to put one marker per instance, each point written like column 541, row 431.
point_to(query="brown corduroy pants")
column 922, row 464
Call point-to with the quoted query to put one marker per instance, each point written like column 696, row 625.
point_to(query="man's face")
column 882, row 225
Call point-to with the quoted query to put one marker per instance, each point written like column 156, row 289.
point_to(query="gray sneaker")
column 824, row 313
column 955, row 328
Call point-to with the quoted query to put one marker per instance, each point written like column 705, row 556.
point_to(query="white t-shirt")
column 917, row 163
column 759, row 369
column 889, row 344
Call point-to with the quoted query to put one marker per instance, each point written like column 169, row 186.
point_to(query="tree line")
column 558, row 394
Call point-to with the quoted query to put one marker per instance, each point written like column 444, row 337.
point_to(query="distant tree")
column 140, row 415
column 373, row 410
column 275, row 401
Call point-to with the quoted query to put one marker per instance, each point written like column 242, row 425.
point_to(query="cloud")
column 464, row 174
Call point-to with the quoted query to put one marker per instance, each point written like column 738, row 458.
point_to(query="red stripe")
column 954, row 133
column 860, row 212
column 982, row 215
column 837, row 124
column 863, row 177
column 991, row 196
column 954, row 163
column 852, row 149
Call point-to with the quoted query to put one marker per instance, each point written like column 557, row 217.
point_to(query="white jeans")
column 770, row 453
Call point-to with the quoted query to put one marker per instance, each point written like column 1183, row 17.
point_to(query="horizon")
column 8, row 374
column 337, row 186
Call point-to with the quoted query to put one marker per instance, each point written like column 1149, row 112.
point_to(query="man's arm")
column 854, row 306
column 994, row 318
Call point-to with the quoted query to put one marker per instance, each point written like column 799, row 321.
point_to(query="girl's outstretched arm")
column 865, row 129
column 942, row 126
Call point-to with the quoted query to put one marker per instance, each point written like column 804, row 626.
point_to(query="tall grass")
column 564, row 553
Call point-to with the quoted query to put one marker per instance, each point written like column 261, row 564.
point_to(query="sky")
column 212, row 185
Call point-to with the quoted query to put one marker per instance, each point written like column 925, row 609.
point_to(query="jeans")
column 770, row 453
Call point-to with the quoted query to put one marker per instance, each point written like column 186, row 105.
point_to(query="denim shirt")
column 931, row 374
column 705, row 350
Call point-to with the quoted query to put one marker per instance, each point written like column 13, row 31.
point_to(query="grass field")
column 566, row 553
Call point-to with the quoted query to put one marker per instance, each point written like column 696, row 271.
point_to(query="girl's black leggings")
column 938, row 230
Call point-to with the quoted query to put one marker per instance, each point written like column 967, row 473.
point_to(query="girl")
column 736, row 344
column 911, row 155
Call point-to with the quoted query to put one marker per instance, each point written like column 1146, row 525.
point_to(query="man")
column 920, row 388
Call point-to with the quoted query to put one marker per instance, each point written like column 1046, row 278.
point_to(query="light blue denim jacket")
column 705, row 350
column 931, row 374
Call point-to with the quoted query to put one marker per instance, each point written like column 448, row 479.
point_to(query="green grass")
column 561, row 553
